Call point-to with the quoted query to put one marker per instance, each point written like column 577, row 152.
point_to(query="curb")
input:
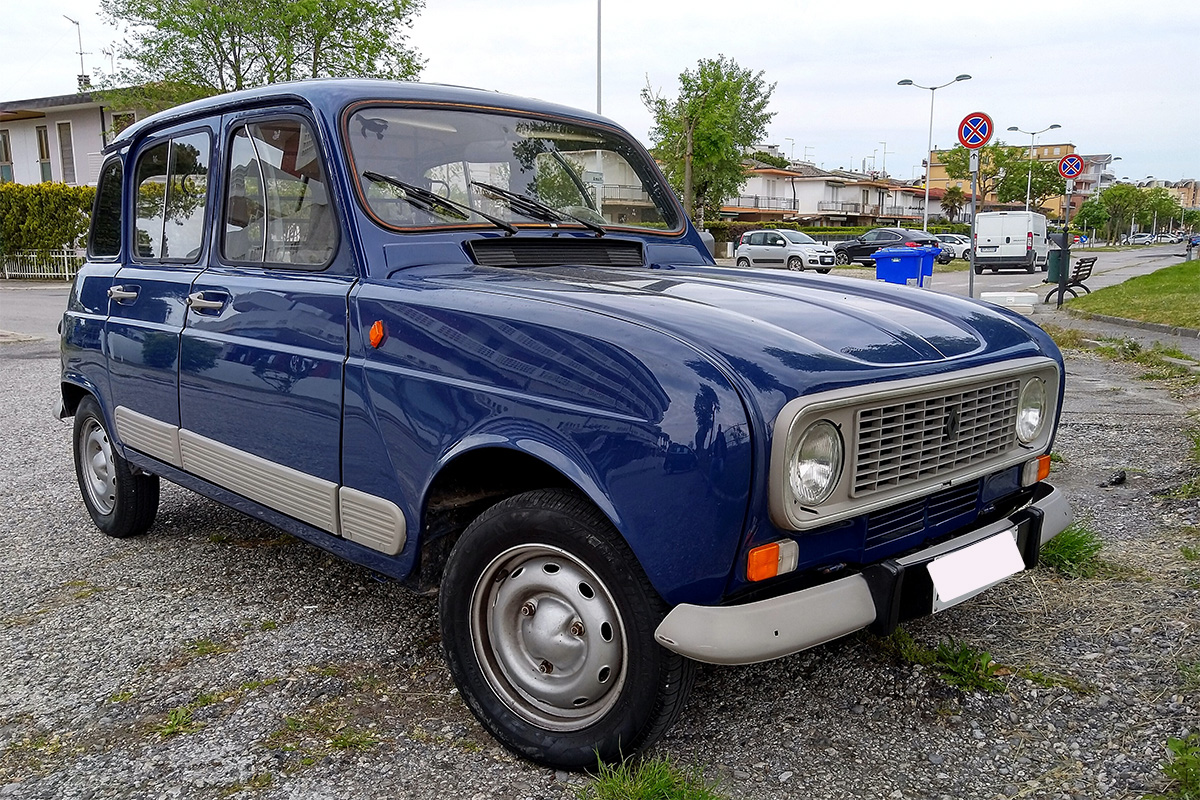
column 1190, row 333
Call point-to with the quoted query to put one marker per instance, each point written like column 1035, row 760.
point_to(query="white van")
column 1011, row 240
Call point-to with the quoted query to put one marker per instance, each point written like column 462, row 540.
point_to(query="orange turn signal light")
column 1043, row 463
column 763, row 562
column 377, row 333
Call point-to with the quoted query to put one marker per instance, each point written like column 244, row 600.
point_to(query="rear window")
column 105, row 238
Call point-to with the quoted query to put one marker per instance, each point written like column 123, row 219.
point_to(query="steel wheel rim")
column 97, row 467
column 549, row 637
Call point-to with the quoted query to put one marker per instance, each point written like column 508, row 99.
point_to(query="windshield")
column 473, row 158
column 796, row 237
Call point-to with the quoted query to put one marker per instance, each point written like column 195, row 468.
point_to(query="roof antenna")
column 84, row 81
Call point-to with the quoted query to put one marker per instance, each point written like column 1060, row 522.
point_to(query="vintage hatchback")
column 471, row 342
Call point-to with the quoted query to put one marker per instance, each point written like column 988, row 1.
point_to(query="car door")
column 884, row 239
column 774, row 250
column 264, row 345
column 754, row 246
column 167, row 212
column 863, row 246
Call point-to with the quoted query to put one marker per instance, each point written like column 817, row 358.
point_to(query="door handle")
column 198, row 301
column 121, row 294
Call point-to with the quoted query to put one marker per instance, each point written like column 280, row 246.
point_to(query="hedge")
column 725, row 231
column 43, row 217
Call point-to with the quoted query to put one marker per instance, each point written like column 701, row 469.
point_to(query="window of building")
column 105, row 238
column 278, row 209
column 6, row 171
column 172, row 192
column 66, row 152
column 43, row 144
column 1057, row 150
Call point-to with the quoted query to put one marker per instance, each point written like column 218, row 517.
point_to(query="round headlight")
column 816, row 464
column 1031, row 410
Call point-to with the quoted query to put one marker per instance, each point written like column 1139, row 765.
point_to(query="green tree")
column 1121, row 201
column 700, row 135
column 1091, row 215
column 178, row 50
column 995, row 162
column 1041, row 179
column 774, row 161
column 953, row 202
column 1158, row 206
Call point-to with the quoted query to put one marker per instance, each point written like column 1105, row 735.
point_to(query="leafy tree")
column 1191, row 218
column 1121, row 201
column 774, row 161
column 1092, row 214
column 995, row 162
column 178, row 50
column 953, row 202
column 1041, row 179
column 700, row 135
column 1158, row 205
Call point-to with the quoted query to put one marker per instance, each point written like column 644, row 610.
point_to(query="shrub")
column 43, row 217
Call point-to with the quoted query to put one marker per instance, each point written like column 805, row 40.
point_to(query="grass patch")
column 968, row 668
column 648, row 779
column 259, row 780
column 179, row 720
column 1155, row 361
column 208, row 647
column 1169, row 296
column 268, row 625
column 1075, row 552
column 1050, row 680
column 1065, row 338
column 120, row 697
column 1189, row 674
column 1183, row 769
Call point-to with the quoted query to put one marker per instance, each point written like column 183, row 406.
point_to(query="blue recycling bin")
column 907, row 266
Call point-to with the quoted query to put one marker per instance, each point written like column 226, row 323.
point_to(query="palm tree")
column 953, row 201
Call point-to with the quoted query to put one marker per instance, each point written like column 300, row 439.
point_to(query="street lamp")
column 929, row 147
column 1100, row 176
column 1033, row 138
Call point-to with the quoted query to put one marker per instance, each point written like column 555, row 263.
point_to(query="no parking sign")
column 975, row 130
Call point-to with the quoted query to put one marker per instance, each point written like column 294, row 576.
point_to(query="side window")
column 105, row 238
column 775, row 240
column 758, row 238
column 172, row 187
column 277, row 207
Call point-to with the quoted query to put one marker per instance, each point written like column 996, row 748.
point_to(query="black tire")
column 966, row 255
column 978, row 269
column 552, row 549
column 121, row 502
column 795, row 264
column 841, row 258
column 744, row 263
column 1032, row 268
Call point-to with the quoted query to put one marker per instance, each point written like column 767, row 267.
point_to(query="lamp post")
column 1032, row 144
column 929, row 146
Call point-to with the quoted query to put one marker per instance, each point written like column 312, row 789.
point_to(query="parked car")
column 397, row 322
column 1011, row 240
column 1142, row 238
column 862, row 247
column 958, row 245
column 783, row 248
column 1168, row 238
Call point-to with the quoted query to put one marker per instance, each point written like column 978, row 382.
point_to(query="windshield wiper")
column 524, row 204
column 435, row 203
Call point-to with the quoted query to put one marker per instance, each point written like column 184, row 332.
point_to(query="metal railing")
column 769, row 203
column 834, row 205
column 627, row 194
column 53, row 265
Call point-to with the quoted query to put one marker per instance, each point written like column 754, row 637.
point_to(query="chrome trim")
column 840, row 407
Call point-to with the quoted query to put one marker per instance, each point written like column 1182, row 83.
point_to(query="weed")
column 121, row 697
column 967, row 668
column 259, row 780
column 250, row 686
column 654, row 778
column 1056, row 458
column 83, row 589
column 179, row 720
column 1074, row 552
column 1065, row 338
column 351, row 738
column 208, row 647
column 1183, row 769
column 1050, row 680
column 1190, row 553
column 904, row 648
column 268, row 625
column 1190, row 673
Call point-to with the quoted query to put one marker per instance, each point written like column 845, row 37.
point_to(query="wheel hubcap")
column 549, row 637
column 99, row 473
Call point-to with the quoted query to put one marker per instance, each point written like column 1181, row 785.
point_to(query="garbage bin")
column 900, row 265
column 1054, row 265
column 929, row 255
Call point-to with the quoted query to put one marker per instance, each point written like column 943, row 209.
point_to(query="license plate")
column 826, row 259
column 987, row 249
column 965, row 573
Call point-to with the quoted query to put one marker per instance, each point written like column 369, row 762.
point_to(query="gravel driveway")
column 216, row 657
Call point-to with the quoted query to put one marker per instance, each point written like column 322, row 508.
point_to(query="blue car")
column 472, row 342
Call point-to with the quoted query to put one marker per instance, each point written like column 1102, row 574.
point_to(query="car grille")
column 926, row 513
column 904, row 442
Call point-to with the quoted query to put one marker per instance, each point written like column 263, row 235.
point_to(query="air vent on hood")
column 553, row 252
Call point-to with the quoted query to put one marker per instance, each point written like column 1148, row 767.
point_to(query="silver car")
column 783, row 248
column 958, row 245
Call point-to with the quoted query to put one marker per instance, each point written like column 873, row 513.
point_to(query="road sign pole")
column 974, row 241
column 1065, row 264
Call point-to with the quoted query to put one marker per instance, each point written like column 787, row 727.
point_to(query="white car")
column 783, row 248
column 958, row 245
column 1142, row 238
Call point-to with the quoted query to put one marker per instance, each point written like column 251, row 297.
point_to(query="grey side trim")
column 297, row 494
column 768, row 629
column 153, row 437
column 1057, row 514
column 371, row 521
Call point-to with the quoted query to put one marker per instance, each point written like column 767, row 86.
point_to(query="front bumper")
column 880, row 597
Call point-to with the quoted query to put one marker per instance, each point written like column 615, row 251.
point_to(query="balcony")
column 837, row 207
column 616, row 193
column 765, row 203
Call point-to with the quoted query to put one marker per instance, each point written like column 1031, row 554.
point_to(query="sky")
column 1120, row 77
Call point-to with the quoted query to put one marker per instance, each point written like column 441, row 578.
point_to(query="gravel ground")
column 285, row 673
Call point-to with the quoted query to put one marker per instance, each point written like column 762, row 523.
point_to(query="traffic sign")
column 975, row 130
column 1070, row 166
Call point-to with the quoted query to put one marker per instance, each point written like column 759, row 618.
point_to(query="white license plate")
column 987, row 249
column 965, row 573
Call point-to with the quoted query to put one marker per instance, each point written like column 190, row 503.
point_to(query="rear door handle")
column 198, row 301
column 122, row 294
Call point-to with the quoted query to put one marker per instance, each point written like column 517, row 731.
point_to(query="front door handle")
column 198, row 301
column 121, row 294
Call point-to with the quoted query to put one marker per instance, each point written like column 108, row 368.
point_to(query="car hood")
column 783, row 335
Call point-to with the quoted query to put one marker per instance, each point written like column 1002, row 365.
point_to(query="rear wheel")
column 120, row 502
column 743, row 262
column 795, row 264
column 978, row 269
column 841, row 258
column 548, row 625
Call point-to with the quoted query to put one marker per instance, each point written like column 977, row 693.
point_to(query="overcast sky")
column 1120, row 77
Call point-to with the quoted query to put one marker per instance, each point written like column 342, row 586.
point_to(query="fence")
column 53, row 265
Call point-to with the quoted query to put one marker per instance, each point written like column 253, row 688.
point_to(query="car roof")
column 331, row 95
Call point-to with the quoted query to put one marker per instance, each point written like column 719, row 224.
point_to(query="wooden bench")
column 1082, row 271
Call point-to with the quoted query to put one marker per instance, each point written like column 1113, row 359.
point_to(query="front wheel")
column 841, row 259
column 548, row 626
column 795, row 264
column 744, row 263
column 966, row 255
column 120, row 502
